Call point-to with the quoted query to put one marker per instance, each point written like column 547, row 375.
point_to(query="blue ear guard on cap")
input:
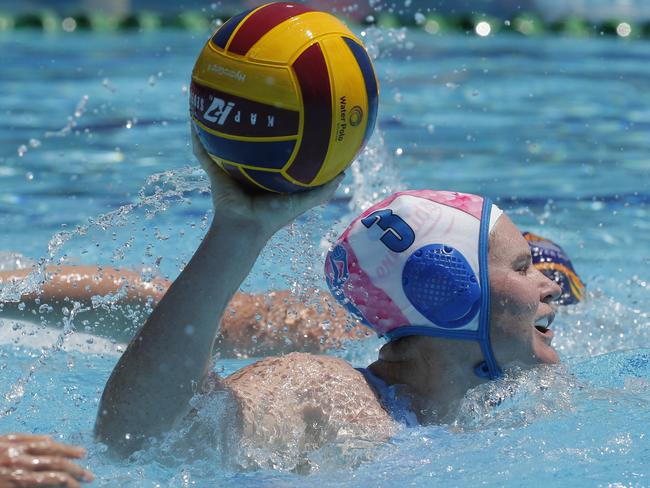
column 440, row 284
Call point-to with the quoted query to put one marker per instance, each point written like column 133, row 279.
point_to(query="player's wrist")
column 248, row 230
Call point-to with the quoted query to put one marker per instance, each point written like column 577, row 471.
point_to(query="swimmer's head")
column 416, row 264
column 551, row 260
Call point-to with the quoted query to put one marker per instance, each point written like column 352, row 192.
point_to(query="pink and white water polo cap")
column 416, row 264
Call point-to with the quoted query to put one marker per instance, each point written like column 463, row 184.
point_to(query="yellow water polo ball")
column 283, row 97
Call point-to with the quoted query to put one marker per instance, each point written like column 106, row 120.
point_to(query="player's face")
column 520, row 301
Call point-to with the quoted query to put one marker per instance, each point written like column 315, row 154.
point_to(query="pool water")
column 95, row 168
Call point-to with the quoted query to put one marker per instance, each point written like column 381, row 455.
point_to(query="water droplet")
column 34, row 143
column 22, row 149
column 81, row 106
column 128, row 124
column 69, row 24
column 29, row 176
column 106, row 83
column 623, row 29
column 420, row 18
column 432, row 27
column 399, row 151
column 431, row 128
column 483, row 28
column 152, row 80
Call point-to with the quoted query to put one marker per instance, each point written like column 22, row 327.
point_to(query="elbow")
column 116, row 437
column 117, row 432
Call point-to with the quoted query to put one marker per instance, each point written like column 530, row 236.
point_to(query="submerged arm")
column 278, row 322
column 167, row 360
column 66, row 285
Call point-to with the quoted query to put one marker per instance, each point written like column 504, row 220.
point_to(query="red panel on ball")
column 314, row 81
column 262, row 21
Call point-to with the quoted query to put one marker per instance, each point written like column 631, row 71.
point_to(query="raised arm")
column 164, row 365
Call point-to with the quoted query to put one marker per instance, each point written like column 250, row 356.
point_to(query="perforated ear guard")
column 450, row 286
column 440, row 284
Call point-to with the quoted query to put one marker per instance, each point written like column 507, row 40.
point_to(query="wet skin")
column 521, row 296
column 436, row 373
column 163, row 366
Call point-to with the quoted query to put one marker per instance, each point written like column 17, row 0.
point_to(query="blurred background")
column 549, row 10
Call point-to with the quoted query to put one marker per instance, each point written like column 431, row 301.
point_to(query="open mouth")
column 542, row 324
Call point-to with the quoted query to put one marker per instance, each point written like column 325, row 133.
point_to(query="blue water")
column 554, row 129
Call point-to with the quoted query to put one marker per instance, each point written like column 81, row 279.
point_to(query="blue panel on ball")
column 441, row 285
column 273, row 181
column 236, row 173
column 372, row 90
column 271, row 155
column 223, row 34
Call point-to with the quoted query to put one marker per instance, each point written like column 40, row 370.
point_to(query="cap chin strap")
column 489, row 367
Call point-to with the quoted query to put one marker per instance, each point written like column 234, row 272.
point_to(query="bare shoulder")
column 301, row 367
column 307, row 398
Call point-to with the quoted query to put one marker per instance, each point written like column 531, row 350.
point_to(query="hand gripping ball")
column 283, row 97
